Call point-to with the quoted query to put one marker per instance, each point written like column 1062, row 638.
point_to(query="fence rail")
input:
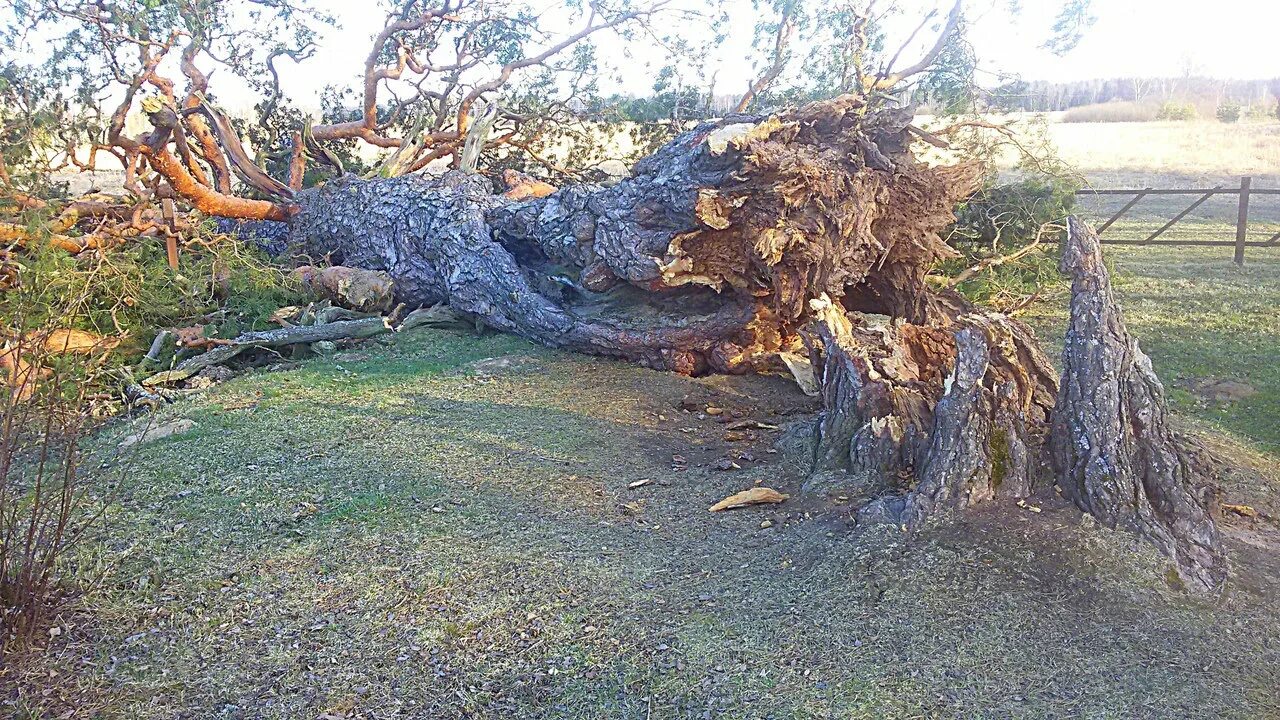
column 1245, row 191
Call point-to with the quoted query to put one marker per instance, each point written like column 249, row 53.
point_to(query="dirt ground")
column 450, row 526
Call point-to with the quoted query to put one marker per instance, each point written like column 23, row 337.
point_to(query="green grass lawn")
column 411, row 530
column 1199, row 316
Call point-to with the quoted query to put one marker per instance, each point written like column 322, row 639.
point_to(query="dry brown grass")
column 1200, row 148
column 1111, row 112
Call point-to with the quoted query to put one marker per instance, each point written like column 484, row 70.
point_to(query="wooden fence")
column 1245, row 191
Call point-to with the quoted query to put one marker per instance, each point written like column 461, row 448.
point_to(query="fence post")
column 1242, row 219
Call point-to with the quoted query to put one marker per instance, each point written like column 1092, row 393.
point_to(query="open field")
column 414, row 530
column 1204, row 148
column 1197, row 154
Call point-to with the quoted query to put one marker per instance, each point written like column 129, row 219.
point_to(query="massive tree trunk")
column 811, row 230
column 706, row 258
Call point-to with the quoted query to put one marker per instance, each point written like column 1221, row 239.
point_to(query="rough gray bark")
column 955, row 463
column 431, row 236
column 704, row 259
column 1112, row 447
column 917, row 420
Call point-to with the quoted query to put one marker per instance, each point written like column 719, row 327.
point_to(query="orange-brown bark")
column 297, row 163
column 210, row 201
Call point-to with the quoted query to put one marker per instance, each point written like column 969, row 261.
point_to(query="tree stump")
column 1112, row 448
column 917, row 420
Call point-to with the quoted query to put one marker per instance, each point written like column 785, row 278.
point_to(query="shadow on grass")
column 387, row 543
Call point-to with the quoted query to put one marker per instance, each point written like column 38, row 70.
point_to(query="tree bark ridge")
column 1111, row 443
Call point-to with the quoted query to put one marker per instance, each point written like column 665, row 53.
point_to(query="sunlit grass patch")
column 1199, row 317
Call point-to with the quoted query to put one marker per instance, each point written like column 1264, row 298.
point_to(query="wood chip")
column 639, row 483
column 70, row 341
column 750, row 425
column 754, row 496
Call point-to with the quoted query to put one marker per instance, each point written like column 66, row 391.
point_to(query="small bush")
column 1009, row 215
column 1111, row 112
column 129, row 291
column 1258, row 112
column 47, row 504
column 1229, row 111
column 1177, row 111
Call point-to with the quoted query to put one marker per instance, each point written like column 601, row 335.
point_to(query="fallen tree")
column 724, row 247
column 706, row 258
column 808, row 230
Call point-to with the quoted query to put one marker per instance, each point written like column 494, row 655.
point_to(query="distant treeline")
column 1039, row 96
column 687, row 104
column 1027, row 96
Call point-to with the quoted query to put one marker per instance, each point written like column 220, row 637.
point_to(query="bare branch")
column 893, row 78
column 781, row 45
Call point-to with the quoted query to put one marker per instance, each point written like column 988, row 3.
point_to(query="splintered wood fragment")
column 342, row 330
column 639, row 483
column 754, row 496
column 801, row 369
column 191, row 366
column 750, row 425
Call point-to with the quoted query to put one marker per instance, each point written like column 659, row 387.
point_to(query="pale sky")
column 1237, row 39
column 1226, row 38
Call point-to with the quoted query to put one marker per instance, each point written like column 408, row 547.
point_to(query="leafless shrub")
column 47, row 503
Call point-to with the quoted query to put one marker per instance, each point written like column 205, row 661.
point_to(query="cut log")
column 1112, row 447
column 351, row 288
